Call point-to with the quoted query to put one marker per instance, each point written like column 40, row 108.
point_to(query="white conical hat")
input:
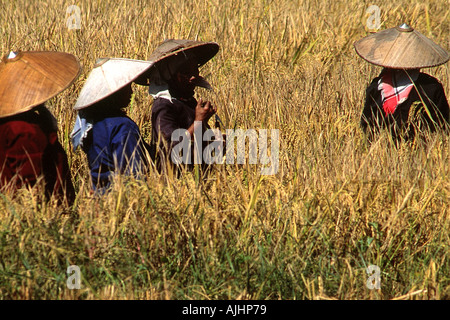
column 401, row 47
column 108, row 76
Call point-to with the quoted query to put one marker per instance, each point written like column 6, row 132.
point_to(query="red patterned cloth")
column 29, row 149
column 395, row 86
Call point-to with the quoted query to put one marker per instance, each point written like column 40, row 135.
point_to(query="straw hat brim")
column 399, row 48
column 108, row 76
column 33, row 77
column 172, row 51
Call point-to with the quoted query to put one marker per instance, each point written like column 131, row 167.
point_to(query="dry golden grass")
column 336, row 205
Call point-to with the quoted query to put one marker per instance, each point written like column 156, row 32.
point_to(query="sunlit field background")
column 336, row 205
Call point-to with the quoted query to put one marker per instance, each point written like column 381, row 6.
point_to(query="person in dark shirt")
column 425, row 109
column 174, row 77
column 29, row 148
column 111, row 140
column 403, row 99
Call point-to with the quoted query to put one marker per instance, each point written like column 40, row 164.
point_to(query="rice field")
column 336, row 205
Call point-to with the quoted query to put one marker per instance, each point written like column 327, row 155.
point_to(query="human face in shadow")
column 123, row 96
column 186, row 78
column 112, row 105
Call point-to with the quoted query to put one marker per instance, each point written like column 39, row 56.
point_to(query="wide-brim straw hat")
column 173, row 52
column 108, row 76
column 401, row 47
column 30, row 78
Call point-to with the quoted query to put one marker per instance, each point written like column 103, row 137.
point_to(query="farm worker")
column 111, row 140
column 401, row 98
column 173, row 78
column 29, row 145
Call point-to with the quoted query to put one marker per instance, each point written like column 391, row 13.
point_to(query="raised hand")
column 204, row 110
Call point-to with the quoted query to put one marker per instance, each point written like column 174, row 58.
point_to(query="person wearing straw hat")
column 29, row 148
column 111, row 140
column 172, row 79
column 402, row 98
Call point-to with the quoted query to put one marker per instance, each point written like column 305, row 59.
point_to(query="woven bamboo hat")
column 173, row 52
column 401, row 47
column 30, row 78
column 109, row 75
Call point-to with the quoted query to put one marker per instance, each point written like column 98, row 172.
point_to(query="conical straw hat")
column 401, row 47
column 175, row 51
column 109, row 75
column 28, row 79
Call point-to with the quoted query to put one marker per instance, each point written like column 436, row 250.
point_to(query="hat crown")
column 100, row 61
column 11, row 55
column 404, row 27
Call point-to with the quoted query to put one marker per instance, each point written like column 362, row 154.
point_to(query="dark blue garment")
column 115, row 145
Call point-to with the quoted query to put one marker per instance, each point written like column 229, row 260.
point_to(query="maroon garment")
column 29, row 148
